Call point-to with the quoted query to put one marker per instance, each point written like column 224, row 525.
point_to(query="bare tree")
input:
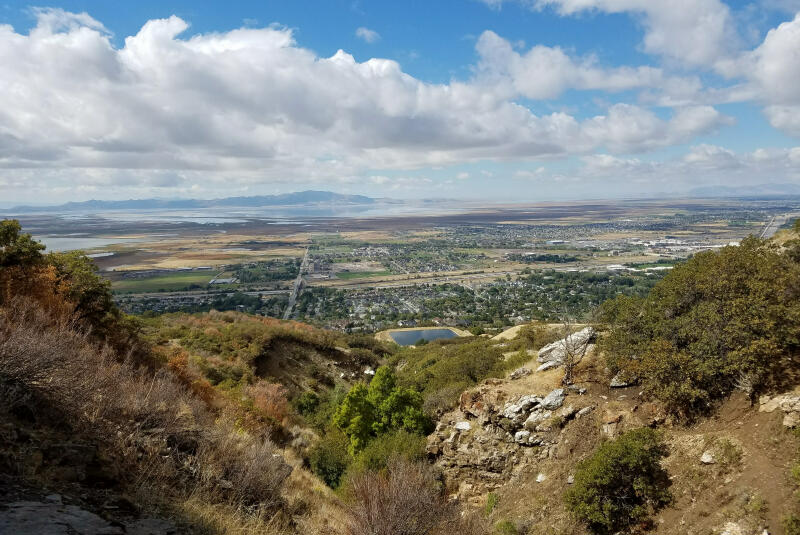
column 574, row 348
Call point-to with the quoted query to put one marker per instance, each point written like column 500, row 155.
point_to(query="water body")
column 408, row 338
column 72, row 243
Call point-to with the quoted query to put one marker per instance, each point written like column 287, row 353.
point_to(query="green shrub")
column 723, row 320
column 306, row 403
column 491, row 503
column 329, row 457
column 505, row 527
column 385, row 448
column 622, row 483
column 791, row 525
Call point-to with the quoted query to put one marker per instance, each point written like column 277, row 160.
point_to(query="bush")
column 329, row 457
column 306, row 403
column 720, row 317
column 791, row 525
column 622, row 483
column 407, row 500
column 381, row 451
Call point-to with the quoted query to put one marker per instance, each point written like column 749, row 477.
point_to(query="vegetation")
column 622, row 483
column 720, row 321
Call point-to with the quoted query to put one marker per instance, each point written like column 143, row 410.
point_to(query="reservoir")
column 408, row 338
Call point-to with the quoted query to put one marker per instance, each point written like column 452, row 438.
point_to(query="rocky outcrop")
column 504, row 435
column 788, row 404
column 52, row 517
column 576, row 342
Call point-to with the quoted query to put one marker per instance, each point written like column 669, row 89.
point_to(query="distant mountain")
column 760, row 190
column 309, row 197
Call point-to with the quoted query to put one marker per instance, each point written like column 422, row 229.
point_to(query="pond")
column 407, row 338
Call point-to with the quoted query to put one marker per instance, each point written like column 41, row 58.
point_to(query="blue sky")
column 521, row 100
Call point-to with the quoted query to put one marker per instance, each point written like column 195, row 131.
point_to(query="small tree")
column 622, row 483
column 574, row 349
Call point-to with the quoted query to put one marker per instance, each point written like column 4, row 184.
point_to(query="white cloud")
column 369, row 36
column 546, row 72
column 692, row 32
column 238, row 109
column 701, row 165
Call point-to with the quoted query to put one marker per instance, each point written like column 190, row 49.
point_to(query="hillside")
column 671, row 413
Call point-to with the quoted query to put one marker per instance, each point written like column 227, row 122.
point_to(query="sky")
column 497, row 100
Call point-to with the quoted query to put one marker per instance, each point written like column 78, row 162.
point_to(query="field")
column 349, row 275
column 170, row 282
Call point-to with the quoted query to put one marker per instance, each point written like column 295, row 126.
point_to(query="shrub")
column 306, row 403
column 406, row 500
column 381, row 451
column 270, row 399
column 622, row 483
column 717, row 318
column 329, row 457
column 791, row 525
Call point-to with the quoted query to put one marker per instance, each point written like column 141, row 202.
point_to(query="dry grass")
column 161, row 442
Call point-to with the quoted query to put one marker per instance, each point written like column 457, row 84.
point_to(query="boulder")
column 521, row 437
column 555, row 352
column 519, row 409
column 707, row 457
column 463, row 426
column 519, row 373
column 537, row 417
column 548, row 365
column 554, row 399
column 618, row 381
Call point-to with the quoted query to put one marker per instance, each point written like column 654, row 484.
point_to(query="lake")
column 408, row 338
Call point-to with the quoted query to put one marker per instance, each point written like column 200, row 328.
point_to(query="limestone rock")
column 554, row 399
column 463, row 426
column 708, row 457
column 548, row 365
column 519, row 373
column 541, row 478
column 537, row 417
column 577, row 341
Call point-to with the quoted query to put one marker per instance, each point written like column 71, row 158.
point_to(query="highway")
column 298, row 283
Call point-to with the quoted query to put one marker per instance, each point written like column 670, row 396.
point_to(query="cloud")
column 689, row 32
column 700, row 165
column 239, row 109
column 546, row 72
column 369, row 36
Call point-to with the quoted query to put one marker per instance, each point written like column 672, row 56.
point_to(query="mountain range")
column 309, row 197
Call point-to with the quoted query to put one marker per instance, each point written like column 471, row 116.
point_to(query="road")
column 298, row 283
column 774, row 224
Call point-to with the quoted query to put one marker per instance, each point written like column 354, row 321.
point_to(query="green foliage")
column 17, row 249
column 791, row 524
column 355, row 417
column 721, row 319
column 622, row 483
column 382, row 407
column 385, row 448
column 329, row 457
column 306, row 403
column 505, row 527
column 491, row 503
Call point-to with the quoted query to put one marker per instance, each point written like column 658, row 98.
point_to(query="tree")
column 17, row 249
column 574, row 349
column 722, row 319
column 355, row 417
column 621, row 483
